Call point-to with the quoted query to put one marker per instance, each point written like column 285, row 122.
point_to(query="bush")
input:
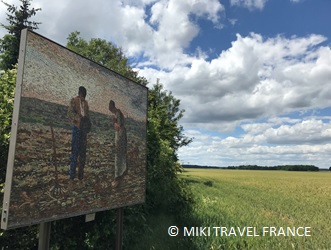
column 7, row 89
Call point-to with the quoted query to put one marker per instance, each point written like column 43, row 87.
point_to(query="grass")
column 246, row 198
column 157, row 236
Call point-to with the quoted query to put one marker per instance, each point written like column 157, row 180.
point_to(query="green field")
column 252, row 200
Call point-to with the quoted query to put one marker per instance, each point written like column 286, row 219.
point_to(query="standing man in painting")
column 120, row 144
column 78, row 113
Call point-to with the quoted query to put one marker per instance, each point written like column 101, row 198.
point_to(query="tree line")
column 256, row 167
column 279, row 167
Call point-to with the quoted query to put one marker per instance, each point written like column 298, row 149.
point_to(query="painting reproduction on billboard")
column 78, row 140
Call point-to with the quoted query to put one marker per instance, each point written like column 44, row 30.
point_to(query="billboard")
column 78, row 139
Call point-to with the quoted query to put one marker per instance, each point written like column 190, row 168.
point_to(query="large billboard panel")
column 78, row 140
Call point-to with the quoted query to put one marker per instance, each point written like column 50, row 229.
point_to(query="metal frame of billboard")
column 37, row 187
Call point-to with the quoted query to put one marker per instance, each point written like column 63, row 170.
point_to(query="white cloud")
column 174, row 29
column 157, row 30
column 250, row 4
column 306, row 132
column 255, row 78
column 233, row 21
column 302, row 142
column 255, row 128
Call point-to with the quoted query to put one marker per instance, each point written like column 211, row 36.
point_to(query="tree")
column 25, row 238
column 165, row 137
column 7, row 86
column 18, row 19
column 104, row 53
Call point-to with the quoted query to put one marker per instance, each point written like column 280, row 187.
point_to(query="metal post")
column 119, row 231
column 44, row 235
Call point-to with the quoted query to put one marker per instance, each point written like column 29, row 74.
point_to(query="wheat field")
column 245, row 205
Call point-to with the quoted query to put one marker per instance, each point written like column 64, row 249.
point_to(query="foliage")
column 21, row 238
column 157, row 236
column 104, row 53
column 70, row 233
column 18, row 19
column 164, row 137
column 7, row 89
column 25, row 238
column 279, row 167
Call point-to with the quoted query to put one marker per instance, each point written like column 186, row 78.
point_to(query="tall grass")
column 240, row 198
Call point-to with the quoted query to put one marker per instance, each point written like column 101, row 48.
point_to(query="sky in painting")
column 254, row 76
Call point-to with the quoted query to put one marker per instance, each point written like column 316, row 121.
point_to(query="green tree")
column 7, row 87
column 104, row 53
column 18, row 18
column 164, row 138
column 25, row 238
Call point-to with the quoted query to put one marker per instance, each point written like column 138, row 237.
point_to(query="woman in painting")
column 120, row 144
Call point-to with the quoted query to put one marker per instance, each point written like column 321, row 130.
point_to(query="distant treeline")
column 256, row 167
column 279, row 167
column 198, row 166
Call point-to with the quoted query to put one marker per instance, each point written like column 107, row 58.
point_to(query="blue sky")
column 254, row 76
column 277, row 17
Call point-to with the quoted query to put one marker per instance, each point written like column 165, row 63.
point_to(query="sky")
column 253, row 76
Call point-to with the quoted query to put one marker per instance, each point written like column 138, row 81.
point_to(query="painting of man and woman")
column 78, row 113
column 80, row 143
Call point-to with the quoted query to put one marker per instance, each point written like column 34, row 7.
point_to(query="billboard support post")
column 44, row 235
column 119, row 231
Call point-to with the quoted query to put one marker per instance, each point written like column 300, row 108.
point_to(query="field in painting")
column 41, row 173
column 243, row 198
